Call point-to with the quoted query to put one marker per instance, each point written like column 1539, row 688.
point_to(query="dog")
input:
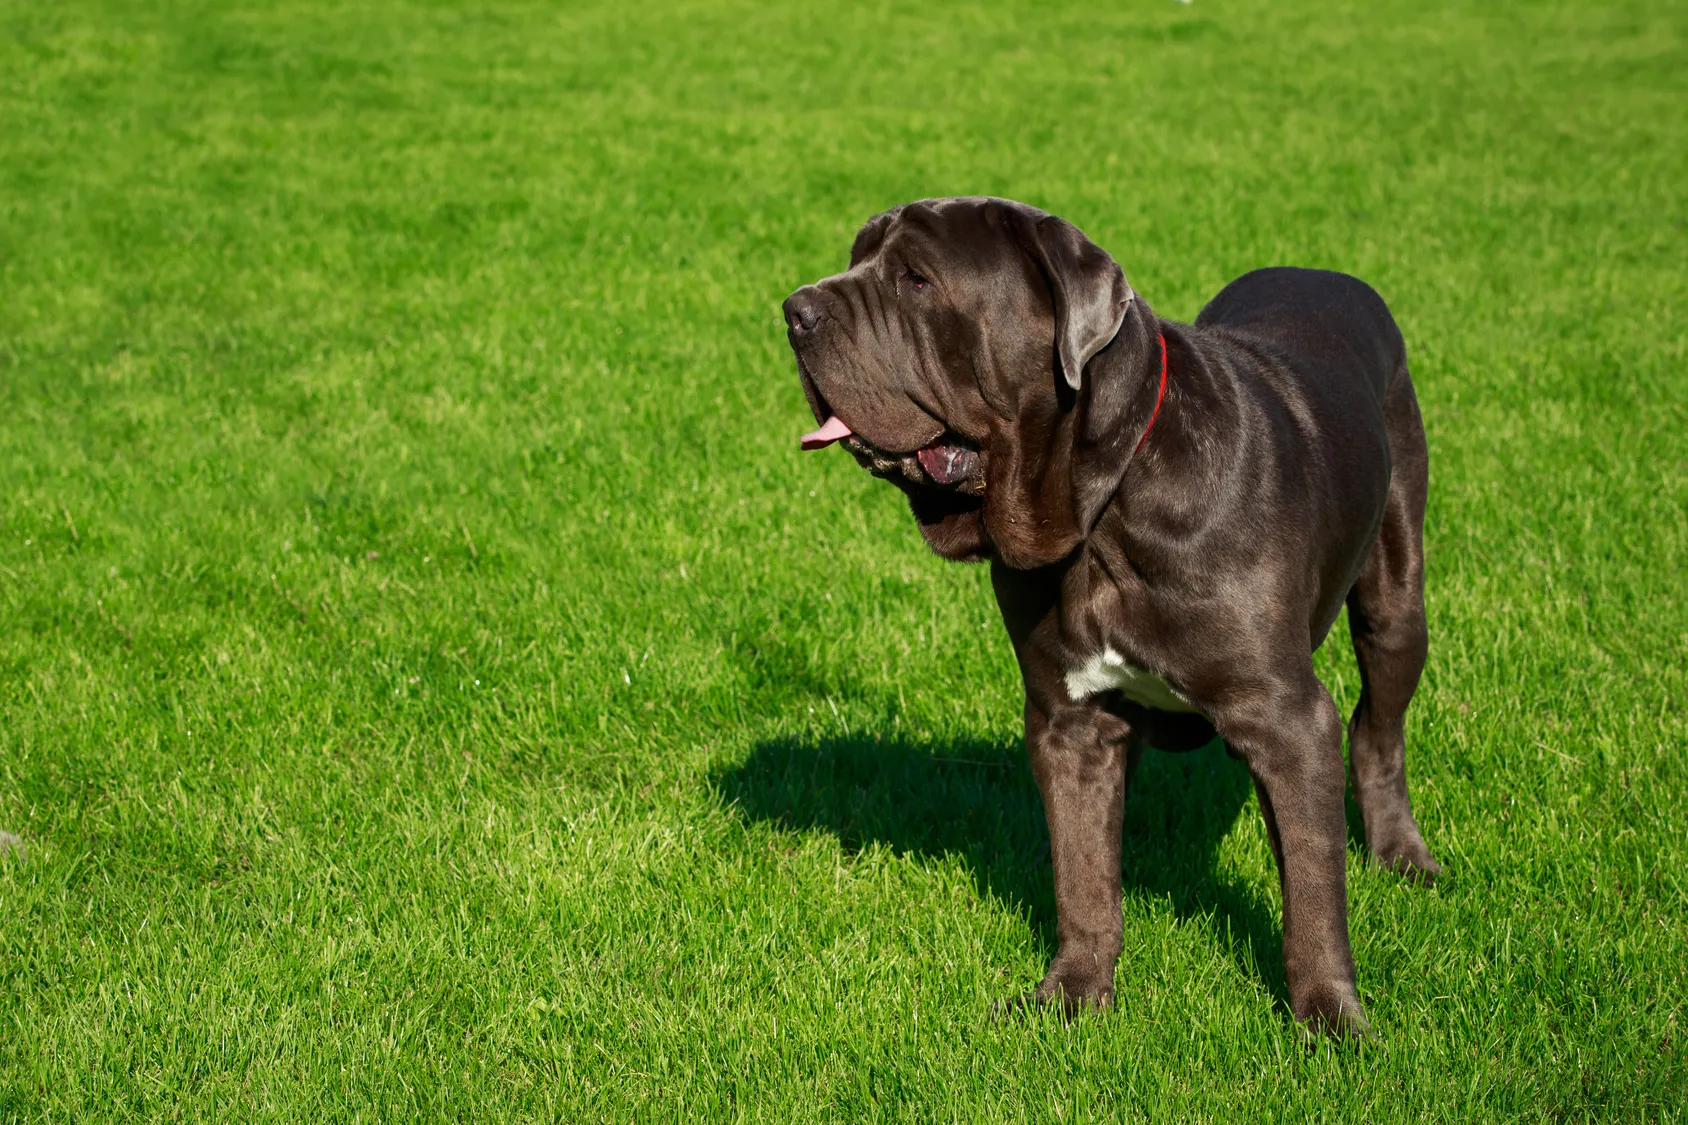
column 1173, row 516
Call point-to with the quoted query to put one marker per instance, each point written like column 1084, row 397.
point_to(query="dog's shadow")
column 976, row 801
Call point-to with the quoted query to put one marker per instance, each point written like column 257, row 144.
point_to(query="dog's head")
column 989, row 360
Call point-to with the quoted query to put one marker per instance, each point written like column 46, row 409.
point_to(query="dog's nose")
column 803, row 310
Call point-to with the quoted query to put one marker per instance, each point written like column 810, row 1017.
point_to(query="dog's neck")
column 1160, row 394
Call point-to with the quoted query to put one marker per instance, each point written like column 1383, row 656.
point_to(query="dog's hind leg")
column 1391, row 640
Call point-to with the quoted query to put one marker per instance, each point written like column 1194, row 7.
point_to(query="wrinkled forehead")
column 974, row 232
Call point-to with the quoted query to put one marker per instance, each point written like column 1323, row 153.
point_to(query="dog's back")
column 1301, row 313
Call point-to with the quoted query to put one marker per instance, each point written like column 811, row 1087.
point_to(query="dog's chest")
column 1109, row 671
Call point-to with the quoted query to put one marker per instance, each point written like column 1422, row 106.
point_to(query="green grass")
column 432, row 684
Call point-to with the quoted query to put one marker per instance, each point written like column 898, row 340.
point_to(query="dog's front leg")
column 1081, row 759
column 1291, row 738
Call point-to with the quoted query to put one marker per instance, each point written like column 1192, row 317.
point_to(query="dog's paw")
column 1066, row 992
column 1073, row 989
column 1334, row 1013
column 1408, row 858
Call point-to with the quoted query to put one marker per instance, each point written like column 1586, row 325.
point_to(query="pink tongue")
column 831, row 430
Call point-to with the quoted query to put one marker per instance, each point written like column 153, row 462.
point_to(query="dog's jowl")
column 1173, row 515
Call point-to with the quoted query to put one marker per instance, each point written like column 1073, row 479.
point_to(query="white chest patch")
column 1108, row 671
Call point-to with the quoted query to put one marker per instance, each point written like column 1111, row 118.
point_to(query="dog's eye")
column 918, row 280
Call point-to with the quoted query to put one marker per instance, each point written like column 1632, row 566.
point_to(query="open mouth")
column 949, row 462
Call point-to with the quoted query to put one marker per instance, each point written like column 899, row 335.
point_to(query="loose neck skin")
column 1198, row 441
column 1120, row 410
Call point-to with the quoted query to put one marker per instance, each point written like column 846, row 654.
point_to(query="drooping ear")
column 1090, row 291
column 871, row 235
column 1053, row 471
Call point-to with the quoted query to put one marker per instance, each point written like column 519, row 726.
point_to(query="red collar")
column 1159, row 395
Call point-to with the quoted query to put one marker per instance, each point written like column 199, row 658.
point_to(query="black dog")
column 1174, row 515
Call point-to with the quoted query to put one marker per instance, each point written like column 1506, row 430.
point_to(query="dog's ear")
column 871, row 235
column 1054, row 470
column 1090, row 291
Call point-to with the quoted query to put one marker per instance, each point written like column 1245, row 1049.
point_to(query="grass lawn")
column 432, row 683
